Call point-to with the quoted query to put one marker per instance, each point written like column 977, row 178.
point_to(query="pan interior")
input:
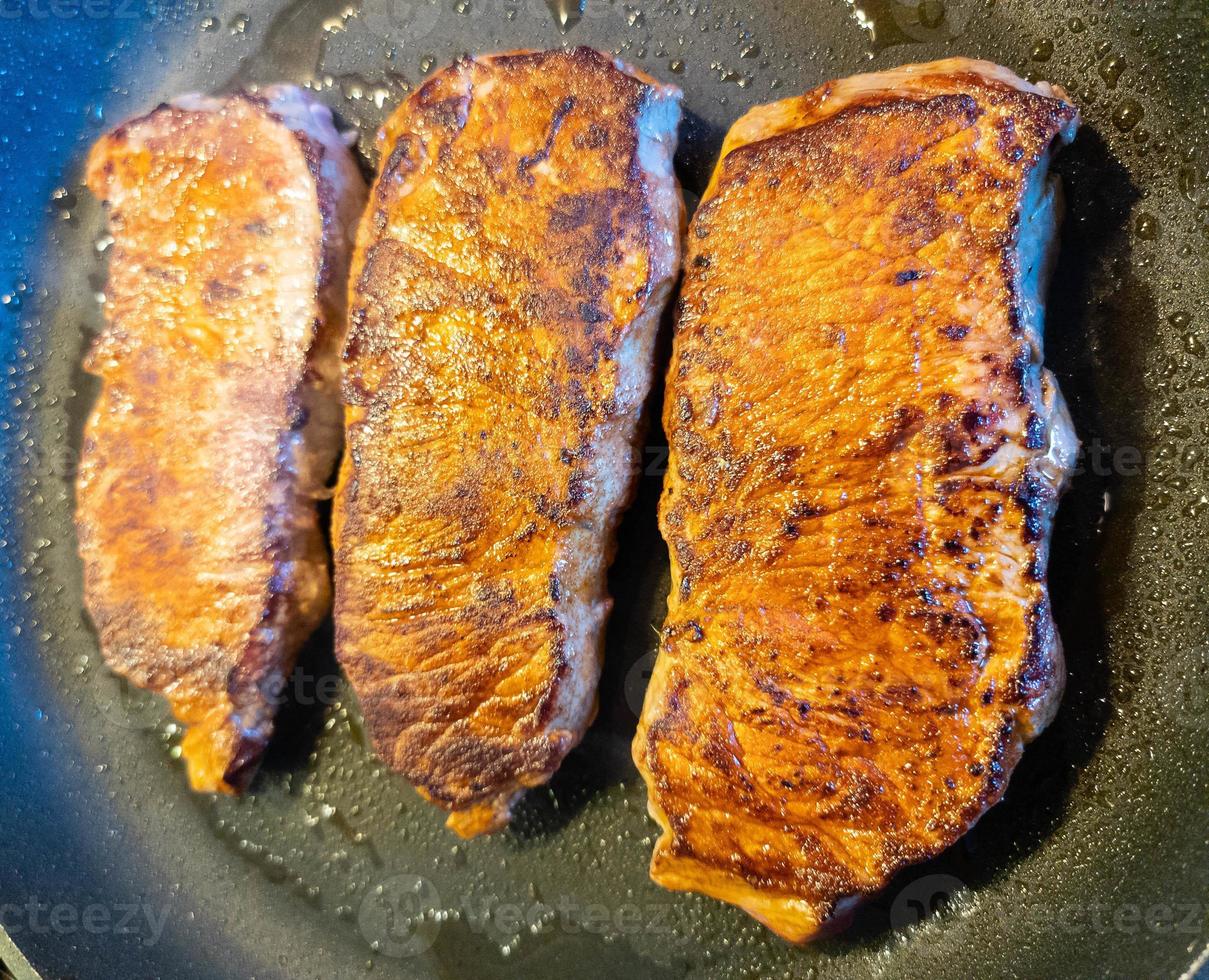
column 333, row 866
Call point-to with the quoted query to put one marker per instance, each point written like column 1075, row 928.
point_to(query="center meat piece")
column 519, row 246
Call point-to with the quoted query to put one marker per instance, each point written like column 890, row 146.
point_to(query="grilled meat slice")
column 520, row 243
column 219, row 418
column 866, row 455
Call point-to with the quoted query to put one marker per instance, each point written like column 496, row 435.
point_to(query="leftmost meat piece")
column 219, row 421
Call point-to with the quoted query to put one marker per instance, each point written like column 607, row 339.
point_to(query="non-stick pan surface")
column 1097, row 861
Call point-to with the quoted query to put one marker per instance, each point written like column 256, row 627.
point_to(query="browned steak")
column 521, row 241
column 866, row 454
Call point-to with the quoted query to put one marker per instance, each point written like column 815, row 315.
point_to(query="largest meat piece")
column 520, row 243
column 866, row 455
column 218, row 421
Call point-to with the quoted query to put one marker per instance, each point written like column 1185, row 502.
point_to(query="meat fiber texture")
column 866, row 456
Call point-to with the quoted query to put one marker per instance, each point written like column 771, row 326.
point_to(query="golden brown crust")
column 865, row 458
column 217, row 422
column 508, row 277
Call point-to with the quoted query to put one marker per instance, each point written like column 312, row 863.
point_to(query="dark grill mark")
column 556, row 122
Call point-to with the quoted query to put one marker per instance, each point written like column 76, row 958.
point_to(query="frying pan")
column 1095, row 864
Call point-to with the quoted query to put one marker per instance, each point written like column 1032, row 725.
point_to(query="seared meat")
column 509, row 274
column 218, row 422
column 866, row 455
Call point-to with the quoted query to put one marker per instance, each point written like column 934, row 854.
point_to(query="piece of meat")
column 520, row 243
column 219, row 419
column 866, row 455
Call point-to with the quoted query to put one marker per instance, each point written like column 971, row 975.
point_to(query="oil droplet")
column 1127, row 115
column 567, row 13
column 1076, row 25
column 1111, row 68
column 1043, row 50
column 335, row 25
column 931, row 13
column 63, row 200
column 1147, row 227
column 1186, row 182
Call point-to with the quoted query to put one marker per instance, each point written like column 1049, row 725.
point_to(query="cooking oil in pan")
column 329, row 823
